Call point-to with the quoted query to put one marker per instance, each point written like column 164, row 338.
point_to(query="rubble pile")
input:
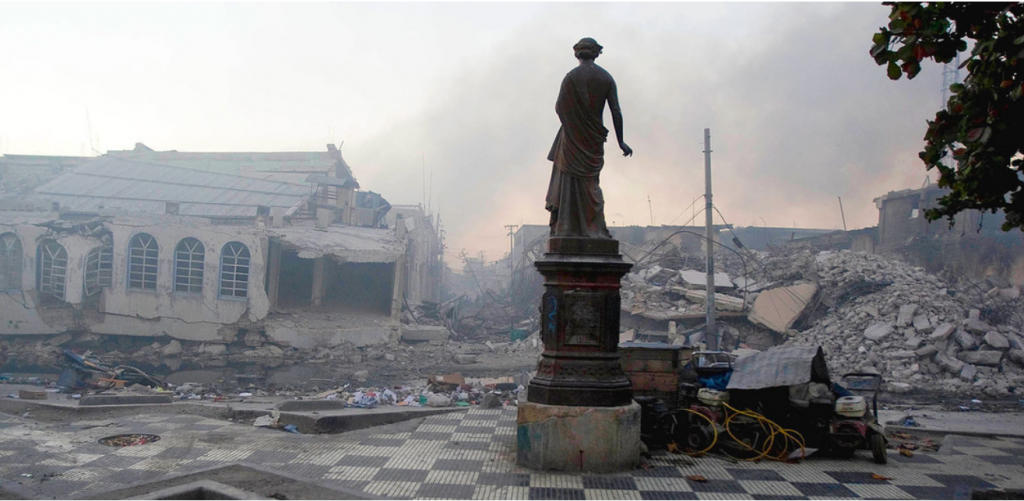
column 660, row 291
column 890, row 318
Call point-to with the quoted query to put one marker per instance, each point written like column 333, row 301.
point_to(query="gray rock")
column 361, row 376
column 902, row 354
column 926, row 351
column 215, row 349
column 906, row 315
column 951, row 365
column 965, row 339
column 914, row 342
column 987, row 357
column 922, row 325
column 997, row 340
column 977, row 326
column 1017, row 356
column 941, row 332
column 463, row 359
column 870, row 310
column 878, row 331
column 968, row 372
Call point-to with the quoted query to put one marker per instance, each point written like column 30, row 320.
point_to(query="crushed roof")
column 347, row 243
column 110, row 182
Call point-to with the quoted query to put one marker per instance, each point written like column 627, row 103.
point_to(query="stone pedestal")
column 574, row 438
column 580, row 414
column 580, row 325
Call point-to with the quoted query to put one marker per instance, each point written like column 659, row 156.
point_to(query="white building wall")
column 204, row 317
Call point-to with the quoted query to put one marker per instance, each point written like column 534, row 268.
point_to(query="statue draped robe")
column 574, row 196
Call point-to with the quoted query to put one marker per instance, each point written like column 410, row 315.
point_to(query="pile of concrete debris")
column 663, row 292
column 897, row 320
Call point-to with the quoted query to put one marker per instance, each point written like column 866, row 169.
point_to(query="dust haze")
column 799, row 113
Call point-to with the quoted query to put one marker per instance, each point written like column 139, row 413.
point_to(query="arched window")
column 10, row 262
column 99, row 266
column 53, row 269
column 234, row 270
column 143, row 253
column 188, row 266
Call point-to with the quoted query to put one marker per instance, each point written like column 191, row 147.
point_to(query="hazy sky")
column 799, row 113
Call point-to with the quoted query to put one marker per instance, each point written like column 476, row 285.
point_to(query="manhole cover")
column 129, row 440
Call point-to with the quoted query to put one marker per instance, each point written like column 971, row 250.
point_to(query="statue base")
column 573, row 438
column 580, row 325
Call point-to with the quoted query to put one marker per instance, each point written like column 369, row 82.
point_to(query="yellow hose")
column 774, row 430
column 769, row 426
column 714, row 429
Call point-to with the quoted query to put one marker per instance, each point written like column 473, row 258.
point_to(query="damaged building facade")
column 123, row 245
column 974, row 245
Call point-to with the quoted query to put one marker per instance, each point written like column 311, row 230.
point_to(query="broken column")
column 580, row 414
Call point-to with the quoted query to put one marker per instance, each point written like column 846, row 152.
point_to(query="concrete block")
column 878, row 331
column 906, row 315
column 722, row 302
column 126, row 399
column 778, row 309
column 589, row 439
column 32, row 394
column 988, row 358
column 416, row 333
column 921, row 324
column 941, row 332
column 997, row 340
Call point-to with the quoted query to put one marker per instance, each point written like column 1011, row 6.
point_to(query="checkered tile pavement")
column 469, row 455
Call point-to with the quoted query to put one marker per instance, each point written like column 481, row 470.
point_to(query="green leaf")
column 913, row 70
column 893, row 70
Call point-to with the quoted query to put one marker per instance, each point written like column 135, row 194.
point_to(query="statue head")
column 587, row 48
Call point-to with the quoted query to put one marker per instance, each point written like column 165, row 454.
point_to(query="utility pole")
column 650, row 208
column 841, row 213
column 711, row 333
column 511, row 275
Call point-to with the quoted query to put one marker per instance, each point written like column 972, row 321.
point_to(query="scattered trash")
column 910, row 422
column 880, row 477
column 245, row 394
column 975, row 401
column 697, row 478
column 26, row 475
column 291, row 428
column 802, row 453
column 906, row 453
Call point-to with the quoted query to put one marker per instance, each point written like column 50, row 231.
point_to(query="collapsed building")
column 222, row 247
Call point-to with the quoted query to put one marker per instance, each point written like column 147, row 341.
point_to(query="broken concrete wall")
column 22, row 310
column 423, row 263
column 195, row 317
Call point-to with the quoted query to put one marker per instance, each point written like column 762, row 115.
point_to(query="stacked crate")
column 655, row 369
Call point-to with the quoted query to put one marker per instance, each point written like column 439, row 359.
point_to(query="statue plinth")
column 580, row 325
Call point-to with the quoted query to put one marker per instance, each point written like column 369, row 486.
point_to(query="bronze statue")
column 574, row 195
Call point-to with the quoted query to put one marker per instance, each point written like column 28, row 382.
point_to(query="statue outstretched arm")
column 613, row 105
